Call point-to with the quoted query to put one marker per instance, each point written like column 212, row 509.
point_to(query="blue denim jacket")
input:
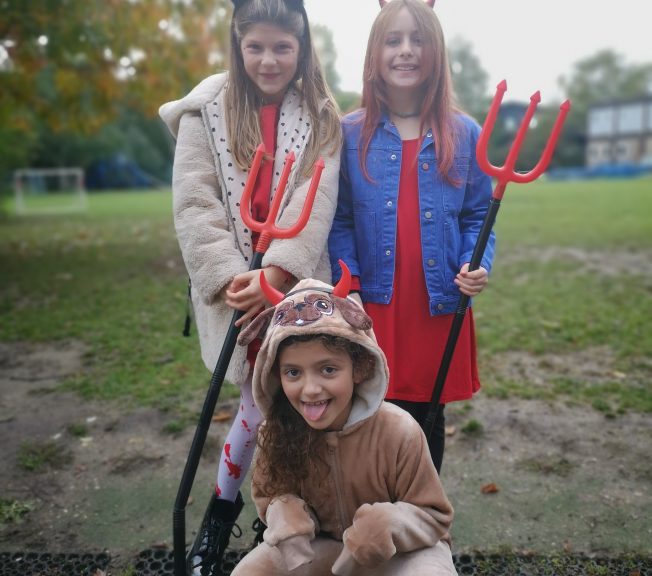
column 364, row 229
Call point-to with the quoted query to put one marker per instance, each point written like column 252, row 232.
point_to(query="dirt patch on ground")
column 105, row 478
column 550, row 478
column 595, row 365
column 621, row 263
column 563, row 478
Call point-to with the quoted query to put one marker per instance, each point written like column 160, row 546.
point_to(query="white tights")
column 239, row 446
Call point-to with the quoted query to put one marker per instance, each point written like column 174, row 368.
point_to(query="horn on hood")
column 344, row 285
column 272, row 294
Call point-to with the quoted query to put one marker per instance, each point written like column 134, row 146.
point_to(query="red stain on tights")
column 234, row 469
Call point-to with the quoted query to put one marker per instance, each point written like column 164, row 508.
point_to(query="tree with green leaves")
column 71, row 66
column 602, row 77
column 322, row 38
column 327, row 52
column 469, row 78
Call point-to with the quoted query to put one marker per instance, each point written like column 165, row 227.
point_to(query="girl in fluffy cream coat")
column 274, row 93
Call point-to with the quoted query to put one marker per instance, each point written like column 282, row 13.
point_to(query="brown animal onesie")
column 385, row 511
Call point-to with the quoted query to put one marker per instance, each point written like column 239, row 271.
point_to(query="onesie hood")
column 314, row 307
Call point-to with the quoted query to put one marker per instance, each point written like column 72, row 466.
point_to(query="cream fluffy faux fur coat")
column 207, row 186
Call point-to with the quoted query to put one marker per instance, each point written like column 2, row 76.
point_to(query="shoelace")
column 258, row 527
column 212, row 540
column 214, row 535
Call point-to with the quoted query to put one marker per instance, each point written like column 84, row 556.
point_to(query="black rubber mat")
column 46, row 564
column 160, row 563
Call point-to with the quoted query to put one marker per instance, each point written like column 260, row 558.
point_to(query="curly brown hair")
column 290, row 451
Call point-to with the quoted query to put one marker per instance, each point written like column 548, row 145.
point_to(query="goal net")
column 49, row 190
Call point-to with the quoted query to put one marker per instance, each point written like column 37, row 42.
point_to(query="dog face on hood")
column 313, row 307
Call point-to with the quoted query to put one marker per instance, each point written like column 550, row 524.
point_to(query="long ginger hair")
column 290, row 451
column 242, row 101
column 438, row 110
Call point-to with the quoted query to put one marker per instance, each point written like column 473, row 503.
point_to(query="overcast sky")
column 529, row 43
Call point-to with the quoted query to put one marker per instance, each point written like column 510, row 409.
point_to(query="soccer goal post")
column 49, row 190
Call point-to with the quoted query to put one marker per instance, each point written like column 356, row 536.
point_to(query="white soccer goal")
column 49, row 190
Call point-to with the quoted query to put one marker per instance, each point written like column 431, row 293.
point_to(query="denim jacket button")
column 388, row 252
column 393, row 156
column 425, row 166
column 428, row 214
column 389, row 203
column 440, row 306
column 431, row 261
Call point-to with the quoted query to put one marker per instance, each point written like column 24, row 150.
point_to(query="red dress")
column 410, row 337
column 260, row 194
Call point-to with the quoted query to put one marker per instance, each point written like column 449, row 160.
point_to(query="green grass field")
column 573, row 273
column 113, row 278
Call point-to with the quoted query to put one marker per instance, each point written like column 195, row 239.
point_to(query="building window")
column 630, row 119
column 601, row 122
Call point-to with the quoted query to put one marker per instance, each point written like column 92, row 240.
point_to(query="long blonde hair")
column 438, row 110
column 242, row 101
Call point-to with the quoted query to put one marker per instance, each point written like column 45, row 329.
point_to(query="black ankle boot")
column 206, row 554
column 259, row 528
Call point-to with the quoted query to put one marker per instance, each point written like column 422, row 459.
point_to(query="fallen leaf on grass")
column 222, row 416
column 490, row 488
column 450, row 430
column 528, row 553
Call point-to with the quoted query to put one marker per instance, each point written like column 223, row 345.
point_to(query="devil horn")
column 273, row 295
column 383, row 3
column 344, row 285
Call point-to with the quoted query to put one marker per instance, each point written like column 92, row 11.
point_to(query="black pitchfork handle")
column 188, row 477
column 434, row 410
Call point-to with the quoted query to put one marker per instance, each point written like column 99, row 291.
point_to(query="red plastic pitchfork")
column 503, row 175
column 268, row 231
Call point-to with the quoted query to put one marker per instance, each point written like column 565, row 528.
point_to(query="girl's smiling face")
column 271, row 57
column 318, row 382
column 400, row 59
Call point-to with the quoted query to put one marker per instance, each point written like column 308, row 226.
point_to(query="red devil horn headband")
column 430, row 3
column 296, row 5
column 275, row 296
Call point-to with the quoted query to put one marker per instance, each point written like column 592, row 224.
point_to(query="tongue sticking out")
column 314, row 412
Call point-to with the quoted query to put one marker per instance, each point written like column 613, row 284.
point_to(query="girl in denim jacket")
column 411, row 203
